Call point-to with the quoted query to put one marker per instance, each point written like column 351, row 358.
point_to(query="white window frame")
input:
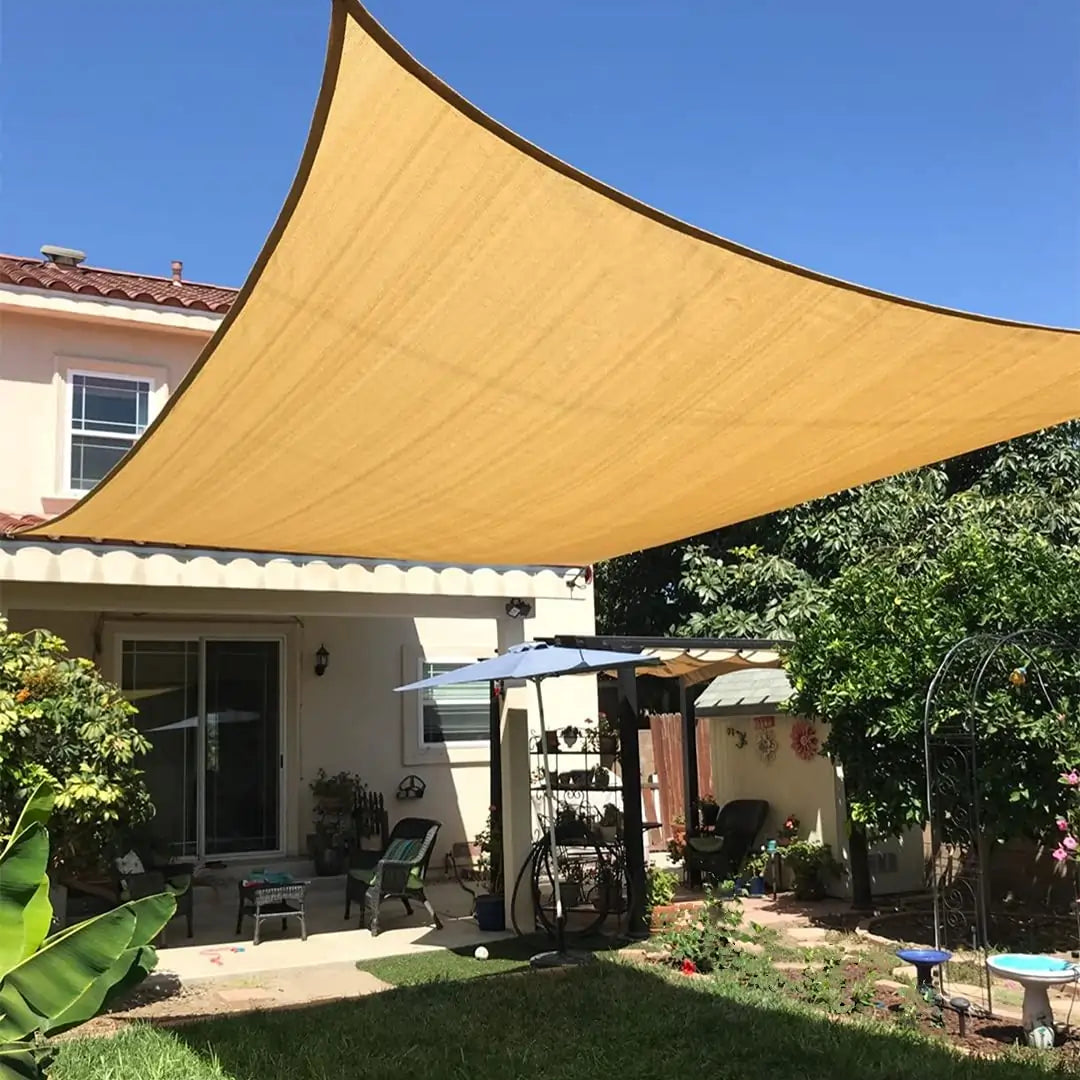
column 69, row 418
column 453, row 744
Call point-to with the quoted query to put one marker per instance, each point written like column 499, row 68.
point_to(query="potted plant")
column 660, row 886
column 607, row 739
column 551, row 741
column 570, row 825
column 571, row 736
column 607, row 830
column 335, row 797
column 708, row 811
column 677, row 844
column 600, row 778
column 571, row 883
column 490, row 903
column 753, row 873
column 788, row 831
column 812, row 864
column 610, row 897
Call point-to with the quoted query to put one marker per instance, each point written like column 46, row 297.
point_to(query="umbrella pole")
column 549, row 809
column 560, row 957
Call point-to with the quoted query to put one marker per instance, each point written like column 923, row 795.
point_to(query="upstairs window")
column 108, row 414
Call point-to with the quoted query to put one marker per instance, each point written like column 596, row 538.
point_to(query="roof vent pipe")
column 62, row 256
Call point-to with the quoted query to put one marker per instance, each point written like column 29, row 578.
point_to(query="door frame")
column 201, row 633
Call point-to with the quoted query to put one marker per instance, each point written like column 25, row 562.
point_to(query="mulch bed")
column 986, row 1037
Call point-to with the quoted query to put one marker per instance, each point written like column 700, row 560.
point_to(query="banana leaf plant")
column 49, row 984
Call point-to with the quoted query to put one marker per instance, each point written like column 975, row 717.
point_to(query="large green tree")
column 873, row 585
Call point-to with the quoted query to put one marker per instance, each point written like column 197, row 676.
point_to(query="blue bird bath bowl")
column 925, row 960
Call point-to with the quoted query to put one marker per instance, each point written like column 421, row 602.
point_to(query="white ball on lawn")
column 481, row 952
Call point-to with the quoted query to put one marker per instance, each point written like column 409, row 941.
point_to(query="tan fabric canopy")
column 693, row 666
column 455, row 348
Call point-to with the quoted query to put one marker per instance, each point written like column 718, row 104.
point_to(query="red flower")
column 688, row 967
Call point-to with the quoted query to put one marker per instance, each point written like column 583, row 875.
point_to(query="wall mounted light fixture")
column 322, row 659
column 518, row 609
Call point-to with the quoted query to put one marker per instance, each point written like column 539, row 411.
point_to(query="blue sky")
column 931, row 149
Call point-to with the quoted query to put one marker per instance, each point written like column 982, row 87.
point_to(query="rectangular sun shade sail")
column 456, row 348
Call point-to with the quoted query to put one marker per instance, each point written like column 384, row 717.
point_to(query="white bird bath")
column 1036, row 974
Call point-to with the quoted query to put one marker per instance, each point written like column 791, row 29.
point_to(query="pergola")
column 694, row 662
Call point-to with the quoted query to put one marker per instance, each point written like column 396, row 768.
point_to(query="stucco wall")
column 806, row 789
column 35, row 353
column 811, row 790
column 350, row 718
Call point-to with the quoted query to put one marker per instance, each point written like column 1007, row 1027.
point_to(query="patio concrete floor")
column 217, row 952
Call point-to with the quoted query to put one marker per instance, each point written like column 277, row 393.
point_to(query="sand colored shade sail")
column 455, row 348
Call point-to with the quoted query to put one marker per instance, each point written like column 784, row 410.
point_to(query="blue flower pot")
column 490, row 912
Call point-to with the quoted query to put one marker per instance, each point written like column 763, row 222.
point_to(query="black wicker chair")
column 398, row 872
column 722, row 854
column 157, row 877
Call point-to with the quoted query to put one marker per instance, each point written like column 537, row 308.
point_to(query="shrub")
column 62, row 724
column 706, row 941
column 660, row 887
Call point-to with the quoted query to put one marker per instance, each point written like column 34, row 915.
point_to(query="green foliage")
column 49, row 985
column 874, row 585
column 706, row 940
column 489, row 865
column 63, row 725
column 864, row 663
column 812, row 865
column 660, row 886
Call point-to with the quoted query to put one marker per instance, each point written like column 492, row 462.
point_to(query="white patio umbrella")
column 535, row 661
column 226, row 716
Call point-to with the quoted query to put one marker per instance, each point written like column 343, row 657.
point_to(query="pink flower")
column 1072, row 778
column 1069, row 843
column 1060, row 854
column 1062, row 824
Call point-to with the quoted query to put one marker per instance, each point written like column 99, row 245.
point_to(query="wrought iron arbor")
column 959, row 845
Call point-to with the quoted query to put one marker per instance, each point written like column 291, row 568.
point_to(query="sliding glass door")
column 211, row 708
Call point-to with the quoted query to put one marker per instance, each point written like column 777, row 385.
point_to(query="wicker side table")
column 262, row 900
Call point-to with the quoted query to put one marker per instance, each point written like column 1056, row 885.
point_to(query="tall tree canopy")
column 872, row 586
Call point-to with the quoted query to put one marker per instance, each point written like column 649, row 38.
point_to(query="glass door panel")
column 242, row 746
column 161, row 679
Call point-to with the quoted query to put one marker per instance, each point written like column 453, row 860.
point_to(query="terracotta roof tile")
column 117, row 284
column 10, row 522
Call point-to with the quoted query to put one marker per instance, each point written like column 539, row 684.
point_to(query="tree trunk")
column 862, row 891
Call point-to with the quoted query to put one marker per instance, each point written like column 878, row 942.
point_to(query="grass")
column 447, row 965
column 612, row 1018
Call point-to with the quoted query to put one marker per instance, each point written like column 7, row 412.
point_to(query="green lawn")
column 609, row 1019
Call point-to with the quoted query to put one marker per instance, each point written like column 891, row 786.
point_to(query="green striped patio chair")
column 396, row 873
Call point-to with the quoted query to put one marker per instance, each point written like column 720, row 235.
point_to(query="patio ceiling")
column 456, row 348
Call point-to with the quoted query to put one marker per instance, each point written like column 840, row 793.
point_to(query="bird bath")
column 1036, row 974
column 925, row 960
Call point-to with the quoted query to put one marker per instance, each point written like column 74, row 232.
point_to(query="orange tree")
column 865, row 658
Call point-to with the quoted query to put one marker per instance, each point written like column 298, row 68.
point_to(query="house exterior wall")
column 350, row 717
column 36, row 352
column 811, row 790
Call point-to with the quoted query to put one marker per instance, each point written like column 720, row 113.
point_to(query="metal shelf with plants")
column 586, row 787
